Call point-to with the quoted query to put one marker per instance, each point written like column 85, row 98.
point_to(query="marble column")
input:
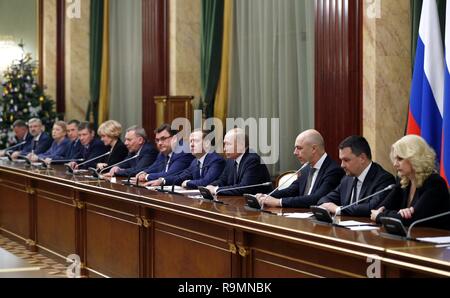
column 49, row 47
column 77, row 63
column 387, row 74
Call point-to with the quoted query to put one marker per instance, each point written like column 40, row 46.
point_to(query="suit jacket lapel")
column 367, row 182
column 320, row 173
column 303, row 180
column 348, row 191
column 242, row 166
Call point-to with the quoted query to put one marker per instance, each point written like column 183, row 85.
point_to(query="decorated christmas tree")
column 22, row 98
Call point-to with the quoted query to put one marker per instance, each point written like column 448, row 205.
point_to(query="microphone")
column 207, row 195
column 95, row 158
column 127, row 182
column 389, row 187
column 408, row 235
column 61, row 161
column 15, row 146
column 323, row 214
column 243, row 187
column 98, row 174
column 296, row 173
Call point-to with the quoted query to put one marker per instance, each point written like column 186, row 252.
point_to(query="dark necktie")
column 309, row 180
column 33, row 147
column 236, row 172
column 167, row 163
column 85, row 152
column 354, row 191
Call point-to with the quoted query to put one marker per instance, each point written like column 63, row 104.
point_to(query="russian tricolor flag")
column 426, row 111
column 445, row 156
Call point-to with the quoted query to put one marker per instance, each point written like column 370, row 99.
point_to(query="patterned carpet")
column 48, row 266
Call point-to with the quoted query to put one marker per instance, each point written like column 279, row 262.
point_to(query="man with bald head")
column 317, row 179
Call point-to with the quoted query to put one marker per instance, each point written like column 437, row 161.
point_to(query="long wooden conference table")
column 124, row 231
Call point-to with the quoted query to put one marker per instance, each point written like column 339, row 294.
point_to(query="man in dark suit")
column 138, row 145
column 363, row 178
column 75, row 145
column 317, row 179
column 173, row 158
column 21, row 135
column 205, row 168
column 40, row 143
column 92, row 147
column 243, row 168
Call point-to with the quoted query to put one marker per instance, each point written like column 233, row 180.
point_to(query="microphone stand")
column 296, row 173
column 9, row 149
column 323, row 214
column 408, row 235
column 95, row 158
column 243, row 187
column 98, row 175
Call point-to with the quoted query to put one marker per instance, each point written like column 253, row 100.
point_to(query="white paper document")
column 298, row 215
column 436, row 240
column 178, row 189
column 364, row 228
column 353, row 223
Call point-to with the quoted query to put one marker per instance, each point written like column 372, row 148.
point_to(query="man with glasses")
column 172, row 159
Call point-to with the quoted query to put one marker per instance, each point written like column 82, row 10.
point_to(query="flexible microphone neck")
column 95, row 158
column 119, row 163
column 67, row 160
column 389, row 187
column 296, row 173
column 243, row 187
column 15, row 146
column 408, row 235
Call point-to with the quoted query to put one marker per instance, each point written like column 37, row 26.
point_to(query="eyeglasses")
column 162, row 139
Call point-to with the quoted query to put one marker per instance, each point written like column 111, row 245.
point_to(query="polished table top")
column 236, row 213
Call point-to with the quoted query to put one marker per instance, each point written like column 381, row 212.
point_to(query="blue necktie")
column 199, row 167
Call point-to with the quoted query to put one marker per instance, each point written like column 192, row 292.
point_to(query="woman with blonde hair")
column 109, row 133
column 422, row 192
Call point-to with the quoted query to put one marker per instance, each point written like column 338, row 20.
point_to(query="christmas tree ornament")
column 23, row 98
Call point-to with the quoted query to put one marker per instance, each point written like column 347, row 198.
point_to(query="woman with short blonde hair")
column 109, row 133
column 110, row 128
column 423, row 192
column 420, row 155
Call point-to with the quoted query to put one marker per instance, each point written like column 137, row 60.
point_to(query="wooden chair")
column 286, row 179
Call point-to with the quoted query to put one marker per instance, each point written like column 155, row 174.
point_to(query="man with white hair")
column 243, row 168
column 319, row 177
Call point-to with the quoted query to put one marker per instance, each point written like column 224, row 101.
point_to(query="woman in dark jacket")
column 422, row 192
column 110, row 132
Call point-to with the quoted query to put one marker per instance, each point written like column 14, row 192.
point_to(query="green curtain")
column 211, row 51
column 416, row 9
column 96, row 48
